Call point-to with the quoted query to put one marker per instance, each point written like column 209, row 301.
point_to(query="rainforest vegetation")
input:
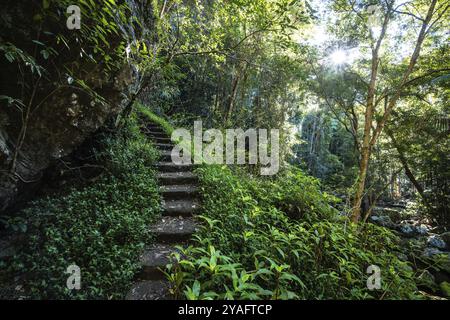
column 358, row 90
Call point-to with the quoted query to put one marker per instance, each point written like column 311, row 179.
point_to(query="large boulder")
column 384, row 221
column 446, row 238
column 394, row 214
column 431, row 252
column 409, row 230
column 58, row 126
column 58, row 111
column 436, row 242
column 413, row 229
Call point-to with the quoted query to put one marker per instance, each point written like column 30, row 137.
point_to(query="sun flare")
column 339, row 57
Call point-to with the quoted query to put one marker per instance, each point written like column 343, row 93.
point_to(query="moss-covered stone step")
column 176, row 208
column 174, row 229
column 174, row 178
column 164, row 146
column 161, row 140
column 172, row 167
column 154, row 259
column 176, row 192
column 159, row 133
column 165, row 155
column 150, row 290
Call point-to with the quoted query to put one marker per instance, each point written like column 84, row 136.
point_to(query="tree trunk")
column 369, row 139
column 366, row 144
column 234, row 88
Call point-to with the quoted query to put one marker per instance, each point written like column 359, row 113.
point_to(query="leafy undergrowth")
column 101, row 228
column 280, row 239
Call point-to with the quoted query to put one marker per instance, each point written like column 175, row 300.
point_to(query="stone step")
column 172, row 167
column 171, row 178
column 165, row 155
column 177, row 208
column 174, row 229
column 178, row 191
column 164, row 146
column 155, row 258
column 161, row 134
column 156, row 133
column 162, row 140
column 150, row 290
column 155, row 127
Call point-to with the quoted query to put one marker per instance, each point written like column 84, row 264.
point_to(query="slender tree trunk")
column 23, row 130
column 234, row 90
column 232, row 97
column 369, row 138
column 366, row 145
column 368, row 117
column 396, row 191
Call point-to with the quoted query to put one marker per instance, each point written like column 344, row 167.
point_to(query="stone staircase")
column 178, row 186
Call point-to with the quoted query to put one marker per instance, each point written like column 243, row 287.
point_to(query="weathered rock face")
column 56, row 128
column 63, row 113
